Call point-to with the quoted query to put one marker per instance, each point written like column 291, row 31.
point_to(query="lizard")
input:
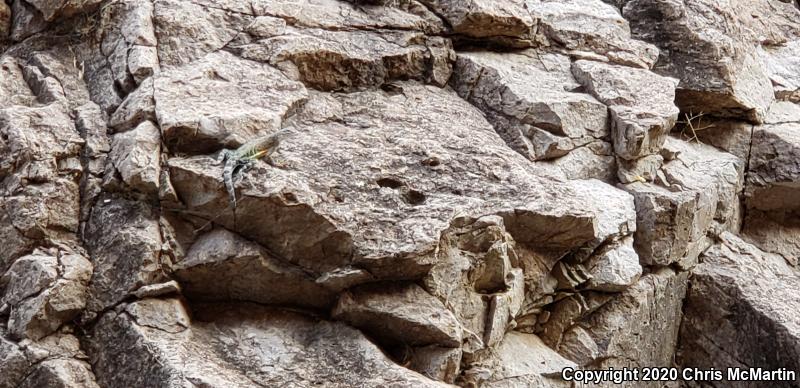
column 239, row 160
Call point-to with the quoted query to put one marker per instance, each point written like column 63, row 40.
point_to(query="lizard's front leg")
column 223, row 156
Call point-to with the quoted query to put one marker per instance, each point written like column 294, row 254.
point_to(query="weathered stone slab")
column 641, row 105
column 164, row 347
column 741, row 312
column 229, row 101
column 223, row 266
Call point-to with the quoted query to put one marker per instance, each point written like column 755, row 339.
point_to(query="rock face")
column 476, row 193
column 741, row 311
column 719, row 67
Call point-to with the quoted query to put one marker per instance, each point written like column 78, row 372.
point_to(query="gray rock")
column 129, row 42
column 390, row 179
column 614, row 269
column 521, row 360
column 717, row 176
column 782, row 65
column 229, row 101
column 696, row 188
column 531, row 99
column 774, row 232
column 155, row 290
column 124, row 241
column 165, row 348
column 25, row 21
column 14, row 363
column 437, row 363
column 53, row 361
column 480, row 280
column 774, row 169
column 731, row 136
column 644, row 169
column 401, row 313
column 635, row 328
column 665, row 223
column 506, row 19
column 719, row 67
column 543, row 119
column 136, row 154
column 350, row 15
column 61, row 374
column 740, row 312
column 186, row 31
column 640, row 104
column 432, row 217
column 45, row 292
column 60, row 64
column 585, row 28
column 354, row 60
column 137, row 107
column 223, row 266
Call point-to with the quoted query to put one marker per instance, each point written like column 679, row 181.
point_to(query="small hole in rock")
column 431, row 162
column 390, row 183
column 289, row 198
column 391, row 89
column 415, row 197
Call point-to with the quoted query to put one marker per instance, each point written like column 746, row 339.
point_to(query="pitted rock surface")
column 469, row 193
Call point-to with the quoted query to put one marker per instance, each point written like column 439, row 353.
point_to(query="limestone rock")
column 637, row 327
column 44, row 292
column 614, row 269
column 136, row 154
column 480, row 279
column 717, row 176
column 124, row 243
column 186, row 31
column 696, row 188
column 731, row 136
column 533, row 88
column 223, row 266
column 39, row 163
column 351, row 15
column 442, row 209
column 644, row 169
column 53, row 361
column 774, row 232
column 129, row 42
column 774, row 170
column 782, row 65
column 390, row 179
column 548, row 120
column 640, row 104
column 404, row 313
column 137, row 107
column 229, row 101
column 168, row 348
column 522, row 360
column 740, row 311
column 354, row 60
column 665, row 223
column 437, row 363
column 719, row 67
column 486, row 18
column 591, row 26
column 529, row 97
